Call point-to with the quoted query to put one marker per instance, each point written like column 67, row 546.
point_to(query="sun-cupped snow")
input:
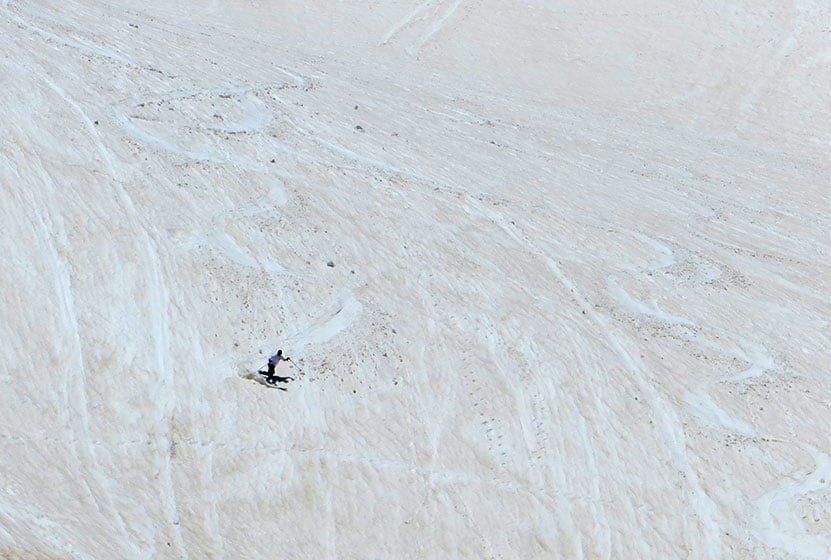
column 553, row 278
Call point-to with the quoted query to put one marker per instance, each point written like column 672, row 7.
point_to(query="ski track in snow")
column 159, row 293
column 75, row 416
column 775, row 522
column 702, row 504
column 626, row 301
column 76, row 387
column 404, row 22
column 778, row 532
column 327, row 326
column 423, row 12
column 240, row 256
column 437, row 26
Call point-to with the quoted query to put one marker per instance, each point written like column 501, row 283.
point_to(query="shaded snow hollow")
column 578, row 309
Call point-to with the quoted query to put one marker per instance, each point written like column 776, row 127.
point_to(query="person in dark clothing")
column 276, row 359
column 271, row 377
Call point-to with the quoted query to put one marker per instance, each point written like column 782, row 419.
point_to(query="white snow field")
column 554, row 277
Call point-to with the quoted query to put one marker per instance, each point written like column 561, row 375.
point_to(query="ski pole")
column 297, row 367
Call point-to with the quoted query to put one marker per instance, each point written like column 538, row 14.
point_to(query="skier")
column 270, row 377
column 274, row 360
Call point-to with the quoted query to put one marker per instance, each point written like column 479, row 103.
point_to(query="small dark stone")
column 330, row 264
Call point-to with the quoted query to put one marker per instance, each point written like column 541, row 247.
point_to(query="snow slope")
column 579, row 305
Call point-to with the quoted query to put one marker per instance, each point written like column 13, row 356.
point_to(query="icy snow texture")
column 578, row 309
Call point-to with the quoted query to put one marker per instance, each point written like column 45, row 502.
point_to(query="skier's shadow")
column 269, row 381
column 274, row 379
